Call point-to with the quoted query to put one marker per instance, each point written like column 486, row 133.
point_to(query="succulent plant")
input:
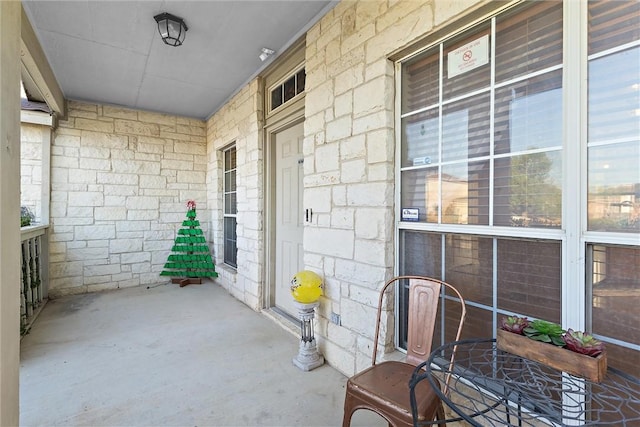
column 549, row 332
column 583, row 343
column 514, row 324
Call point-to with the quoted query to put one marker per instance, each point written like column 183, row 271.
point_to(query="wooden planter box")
column 580, row 365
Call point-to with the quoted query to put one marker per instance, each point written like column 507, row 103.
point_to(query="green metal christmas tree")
column 191, row 259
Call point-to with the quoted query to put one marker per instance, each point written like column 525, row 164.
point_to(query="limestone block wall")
column 120, row 180
column 31, row 140
column 349, row 152
column 239, row 122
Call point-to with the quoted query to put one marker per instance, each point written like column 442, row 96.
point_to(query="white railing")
column 34, row 274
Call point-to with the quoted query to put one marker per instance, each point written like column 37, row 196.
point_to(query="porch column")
column 10, row 16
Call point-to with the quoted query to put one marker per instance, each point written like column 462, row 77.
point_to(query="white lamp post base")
column 308, row 357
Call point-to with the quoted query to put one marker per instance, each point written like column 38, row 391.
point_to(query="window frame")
column 225, row 238
column 280, row 84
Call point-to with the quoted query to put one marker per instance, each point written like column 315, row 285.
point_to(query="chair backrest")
column 424, row 296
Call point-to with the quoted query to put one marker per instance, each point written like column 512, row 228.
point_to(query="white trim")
column 397, row 199
column 610, row 238
column 36, row 118
column 614, row 50
column 484, row 158
column 574, row 126
column 612, row 141
column 440, row 118
column 486, row 230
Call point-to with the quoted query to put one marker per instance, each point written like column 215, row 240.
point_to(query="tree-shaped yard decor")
column 191, row 259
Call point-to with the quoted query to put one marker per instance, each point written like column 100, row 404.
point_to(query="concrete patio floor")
column 170, row 356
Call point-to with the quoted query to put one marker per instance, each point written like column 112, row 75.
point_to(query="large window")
column 491, row 151
column 230, row 209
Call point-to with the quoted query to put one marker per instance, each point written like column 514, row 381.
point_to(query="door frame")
column 270, row 204
column 281, row 118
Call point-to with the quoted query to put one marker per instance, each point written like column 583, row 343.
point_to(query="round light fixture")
column 172, row 29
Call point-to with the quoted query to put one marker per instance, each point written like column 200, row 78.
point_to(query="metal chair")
column 384, row 387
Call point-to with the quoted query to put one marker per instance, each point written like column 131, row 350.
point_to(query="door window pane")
column 290, row 88
column 276, row 97
column 301, row 79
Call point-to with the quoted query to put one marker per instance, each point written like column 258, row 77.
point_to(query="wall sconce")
column 171, row 28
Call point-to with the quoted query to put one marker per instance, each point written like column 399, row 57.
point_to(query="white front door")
column 289, row 215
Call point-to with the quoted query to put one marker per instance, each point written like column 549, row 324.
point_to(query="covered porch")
column 370, row 145
column 165, row 355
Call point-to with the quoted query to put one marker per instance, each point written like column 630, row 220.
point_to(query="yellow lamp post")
column 306, row 289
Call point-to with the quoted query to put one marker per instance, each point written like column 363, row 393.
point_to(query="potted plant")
column 574, row 352
column 543, row 331
column 26, row 217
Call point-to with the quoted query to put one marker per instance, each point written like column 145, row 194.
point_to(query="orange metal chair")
column 384, row 387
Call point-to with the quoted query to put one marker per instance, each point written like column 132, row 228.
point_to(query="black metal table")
column 490, row 387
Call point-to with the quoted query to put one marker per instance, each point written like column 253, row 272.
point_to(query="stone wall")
column 31, row 141
column 240, row 122
column 120, row 180
column 349, row 147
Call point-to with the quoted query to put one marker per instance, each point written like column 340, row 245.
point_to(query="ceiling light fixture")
column 266, row 53
column 171, row 28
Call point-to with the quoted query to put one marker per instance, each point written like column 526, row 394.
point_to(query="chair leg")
column 348, row 411
column 440, row 415
column 346, row 419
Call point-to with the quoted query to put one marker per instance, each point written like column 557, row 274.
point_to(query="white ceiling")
column 110, row 51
